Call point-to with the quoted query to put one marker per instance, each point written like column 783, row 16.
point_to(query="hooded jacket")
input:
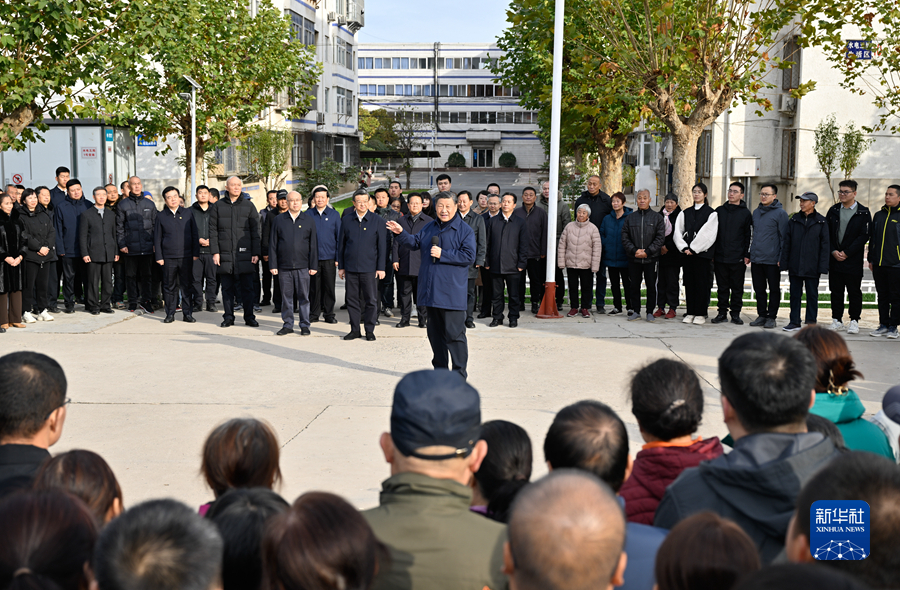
column 234, row 235
column 135, row 221
column 645, row 230
column 847, row 412
column 855, row 237
column 611, row 237
column 756, row 485
column 657, row 467
column 806, row 250
column 733, row 240
column 769, row 226
column 39, row 233
column 884, row 242
column 579, row 246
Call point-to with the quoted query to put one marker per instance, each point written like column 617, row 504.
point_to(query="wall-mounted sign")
column 142, row 143
column 860, row 49
column 88, row 153
column 109, row 135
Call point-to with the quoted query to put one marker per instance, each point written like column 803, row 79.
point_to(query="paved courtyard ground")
column 145, row 394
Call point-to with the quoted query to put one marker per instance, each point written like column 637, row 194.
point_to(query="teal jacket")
column 859, row 434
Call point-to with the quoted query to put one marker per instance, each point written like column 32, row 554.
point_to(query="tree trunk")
column 12, row 124
column 684, row 160
column 611, row 164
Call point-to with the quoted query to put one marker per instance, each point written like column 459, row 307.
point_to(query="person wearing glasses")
column 732, row 254
column 769, row 225
column 848, row 227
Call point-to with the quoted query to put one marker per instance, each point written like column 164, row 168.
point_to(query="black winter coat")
column 601, row 206
column 66, row 218
column 506, row 245
column 201, row 218
column 292, row 244
column 733, row 241
column 362, row 246
column 234, row 235
column 806, row 251
column 644, row 229
column 476, row 222
column 884, row 241
column 135, row 221
column 39, row 233
column 97, row 236
column 12, row 244
column 389, row 214
column 855, row 237
column 409, row 260
column 672, row 257
column 535, row 230
column 266, row 231
column 175, row 235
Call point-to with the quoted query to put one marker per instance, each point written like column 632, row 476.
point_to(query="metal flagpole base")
column 548, row 309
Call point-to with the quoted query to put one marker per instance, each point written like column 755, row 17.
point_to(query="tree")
column 408, row 127
column 378, row 129
column 242, row 62
column 828, row 148
column 691, row 59
column 596, row 116
column 268, row 150
column 50, row 53
column 330, row 174
column 853, row 147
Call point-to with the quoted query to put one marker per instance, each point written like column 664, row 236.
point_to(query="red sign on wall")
column 89, row 153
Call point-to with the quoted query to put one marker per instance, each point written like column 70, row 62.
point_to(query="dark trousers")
column 616, row 276
column 667, row 285
column 99, row 280
column 138, row 273
column 362, row 300
column 647, row 272
column 230, row 286
column 386, row 288
column 561, row 288
column 55, row 289
column 34, row 295
column 447, row 336
column 118, row 294
column 766, row 276
column 470, row 301
column 487, row 290
column 511, row 281
column 53, row 277
column 178, row 274
column 584, row 278
column 73, row 279
column 321, row 290
column 730, row 286
column 204, row 269
column 536, row 269
column 887, row 285
column 267, row 281
column 407, row 293
column 257, row 282
column 294, row 292
column 156, row 281
column 811, row 285
column 837, row 283
column 600, row 291
column 697, row 284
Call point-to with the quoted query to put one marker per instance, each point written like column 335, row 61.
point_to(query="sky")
column 427, row 21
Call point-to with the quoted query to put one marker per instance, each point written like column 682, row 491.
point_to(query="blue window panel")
column 407, row 90
column 404, row 63
column 377, row 63
column 381, row 90
column 361, row 63
column 396, row 63
column 368, row 63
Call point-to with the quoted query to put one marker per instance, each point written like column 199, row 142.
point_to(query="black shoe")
column 107, row 311
column 370, row 337
column 470, row 324
column 770, row 323
column 284, row 331
column 791, row 327
column 198, row 306
column 513, row 323
column 252, row 323
column 330, row 321
column 601, row 309
column 189, row 319
column 276, row 310
column 69, row 310
column 314, row 319
column 423, row 324
column 403, row 324
column 211, row 307
column 2, row 330
column 344, row 306
column 95, row 312
column 720, row 318
column 377, row 323
column 352, row 336
column 226, row 323
column 304, row 331
column 169, row 319
column 265, row 302
column 483, row 315
column 496, row 323
column 758, row 322
column 53, row 309
column 736, row 320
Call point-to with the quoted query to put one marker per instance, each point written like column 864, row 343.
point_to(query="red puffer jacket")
column 656, row 468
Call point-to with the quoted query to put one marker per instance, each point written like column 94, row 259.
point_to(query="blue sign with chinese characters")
column 144, row 143
column 860, row 49
column 109, row 135
column 839, row 530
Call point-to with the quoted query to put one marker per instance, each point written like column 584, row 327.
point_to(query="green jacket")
column 435, row 542
column 859, row 434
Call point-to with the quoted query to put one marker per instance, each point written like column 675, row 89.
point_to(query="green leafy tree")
column 596, row 116
column 378, row 129
column 691, row 59
column 242, row 62
column 331, row 174
column 268, row 150
column 50, row 53
column 853, row 147
column 828, row 149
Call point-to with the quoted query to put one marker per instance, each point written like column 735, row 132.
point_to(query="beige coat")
column 579, row 246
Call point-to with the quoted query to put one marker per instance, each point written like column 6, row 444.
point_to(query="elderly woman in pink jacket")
column 579, row 253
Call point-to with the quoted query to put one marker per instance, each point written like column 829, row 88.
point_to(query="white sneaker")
column 699, row 320
column 853, row 327
column 45, row 316
column 28, row 318
column 836, row 325
column 688, row 319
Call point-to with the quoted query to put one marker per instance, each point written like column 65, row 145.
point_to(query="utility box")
column 744, row 167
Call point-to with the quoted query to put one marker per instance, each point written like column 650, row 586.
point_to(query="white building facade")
column 449, row 89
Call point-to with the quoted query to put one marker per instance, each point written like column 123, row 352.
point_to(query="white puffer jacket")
column 579, row 246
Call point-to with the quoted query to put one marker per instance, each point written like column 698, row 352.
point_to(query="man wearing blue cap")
column 423, row 516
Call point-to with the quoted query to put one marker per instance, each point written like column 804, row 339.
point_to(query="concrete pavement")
column 145, row 394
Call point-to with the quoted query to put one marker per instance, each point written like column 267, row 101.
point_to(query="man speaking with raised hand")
column 444, row 279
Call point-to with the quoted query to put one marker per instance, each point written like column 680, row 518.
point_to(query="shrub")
column 507, row 160
column 456, row 160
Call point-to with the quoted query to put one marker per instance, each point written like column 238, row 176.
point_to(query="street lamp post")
column 194, row 88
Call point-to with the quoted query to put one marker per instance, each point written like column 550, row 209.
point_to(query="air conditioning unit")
column 787, row 104
column 341, row 20
column 320, row 118
column 331, row 17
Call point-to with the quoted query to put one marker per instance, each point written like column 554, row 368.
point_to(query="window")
column 326, row 51
column 457, row 63
column 789, row 154
column 377, row 63
column 407, row 90
column 517, row 118
column 476, row 63
column 386, row 63
column 428, row 90
column 390, row 90
column 381, row 90
column 297, row 150
column 344, row 101
column 326, row 100
column 430, row 63
column 309, row 32
column 448, row 63
column 413, row 64
column 442, row 90
column 467, row 63
column 314, row 105
column 361, row 63
column 338, row 149
column 396, row 63
column 425, row 63
column 296, row 25
column 369, row 63
column 417, row 90
column 343, row 53
column 791, row 76
column 404, row 63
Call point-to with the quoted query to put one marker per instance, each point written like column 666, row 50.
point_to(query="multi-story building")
column 449, row 90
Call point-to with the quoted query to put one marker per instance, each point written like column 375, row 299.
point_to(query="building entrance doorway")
column 482, row 158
